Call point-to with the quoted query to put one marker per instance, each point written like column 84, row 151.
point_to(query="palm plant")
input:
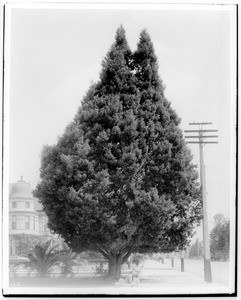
column 68, row 260
column 43, row 257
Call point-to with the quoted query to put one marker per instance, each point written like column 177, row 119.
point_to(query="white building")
column 26, row 215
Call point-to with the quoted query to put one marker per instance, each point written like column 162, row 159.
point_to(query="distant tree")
column 219, row 236
column 196, row 249
column 137, row 258
column 120, row 179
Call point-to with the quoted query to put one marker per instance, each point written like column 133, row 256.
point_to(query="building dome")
column 21, row 189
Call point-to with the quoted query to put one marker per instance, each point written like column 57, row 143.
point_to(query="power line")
column 213, row 58
column 206, row 69
column 212, row 167
column 217, row 183
column 214, row 97
column 209, row 77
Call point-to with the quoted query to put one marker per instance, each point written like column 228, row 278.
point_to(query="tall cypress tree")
column 168, row 166
column 120, row 179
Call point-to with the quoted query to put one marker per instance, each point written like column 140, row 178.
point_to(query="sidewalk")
column 155, row 273
column 161, row 279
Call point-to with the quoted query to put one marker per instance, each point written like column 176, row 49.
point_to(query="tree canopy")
column 120, row 179
column 219, row 235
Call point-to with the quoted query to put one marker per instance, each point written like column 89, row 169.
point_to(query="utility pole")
column 182, row 260
column 172, row 259
column 199, row 138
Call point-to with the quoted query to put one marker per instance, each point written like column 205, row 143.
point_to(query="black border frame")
column 235, row 293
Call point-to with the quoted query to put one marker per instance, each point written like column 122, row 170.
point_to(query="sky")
column 55, row 54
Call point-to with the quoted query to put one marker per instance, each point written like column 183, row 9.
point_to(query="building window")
column 33, row 223
column 27, row 205
column 14, row 204
column 40, row 225
column 14, row 222
column 27, row 222
column 45, row 225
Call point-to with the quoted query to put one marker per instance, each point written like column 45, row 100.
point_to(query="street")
column 220, row 270
column 193, row 275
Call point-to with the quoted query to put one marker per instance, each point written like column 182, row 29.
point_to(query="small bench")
column 132, row 278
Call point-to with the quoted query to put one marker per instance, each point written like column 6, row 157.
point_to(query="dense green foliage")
column 120, row 179
column 219, row 236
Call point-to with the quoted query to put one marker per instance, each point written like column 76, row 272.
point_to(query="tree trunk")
column 115, row 259
column 115, row 263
